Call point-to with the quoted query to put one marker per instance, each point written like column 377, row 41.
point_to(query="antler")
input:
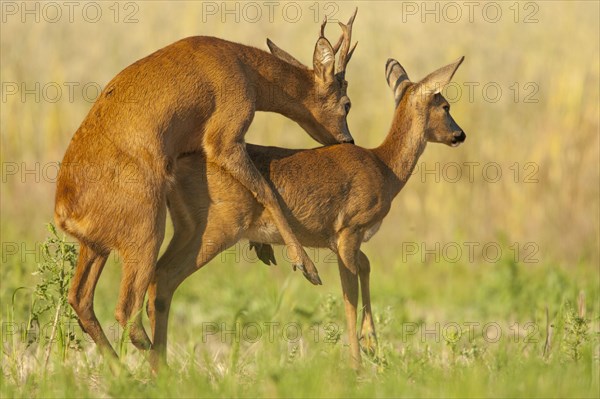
column 344, row 44
column 323, row 26
column 339, row 42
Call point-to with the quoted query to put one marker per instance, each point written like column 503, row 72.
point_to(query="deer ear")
column 397, row 78
column 324, row 60
column 435, row 81
column 283, row 55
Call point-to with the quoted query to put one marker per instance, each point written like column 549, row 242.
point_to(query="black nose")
column 460, row 136
column 351, row 141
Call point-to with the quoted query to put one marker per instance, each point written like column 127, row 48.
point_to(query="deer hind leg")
column 172, row 271
column 368, row 337
column 229, row 152
column 188, row 222
column 139, row 260
column 81, row 295
column 348, row 260
column 160, row 294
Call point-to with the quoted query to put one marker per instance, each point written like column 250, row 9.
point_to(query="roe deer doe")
column 197, row 94
column 335, row 197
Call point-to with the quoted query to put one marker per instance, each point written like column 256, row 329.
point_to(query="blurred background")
column 526, row 95
column 524, row 188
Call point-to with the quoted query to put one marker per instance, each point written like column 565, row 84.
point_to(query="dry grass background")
column 558, row 134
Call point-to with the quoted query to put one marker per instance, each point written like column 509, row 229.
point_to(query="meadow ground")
column 485, row 274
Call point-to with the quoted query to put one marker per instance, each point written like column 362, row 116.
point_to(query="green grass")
column 552, row 217
column 242, row 329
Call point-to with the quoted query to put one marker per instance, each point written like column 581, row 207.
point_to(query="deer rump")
column 321, row 190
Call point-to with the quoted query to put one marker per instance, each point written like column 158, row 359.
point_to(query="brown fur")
column 198, row 94
column 335, row 197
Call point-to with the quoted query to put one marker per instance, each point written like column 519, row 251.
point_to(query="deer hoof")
column 368, row 343
column 312, row 277
column 139, row 338
column 264, row 252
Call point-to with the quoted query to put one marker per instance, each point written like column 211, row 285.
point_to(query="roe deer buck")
column 335, row 197
column 197, row 94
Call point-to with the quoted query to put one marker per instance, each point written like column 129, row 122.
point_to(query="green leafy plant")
column 576, row 332
column 331, row 322
column 54, row 272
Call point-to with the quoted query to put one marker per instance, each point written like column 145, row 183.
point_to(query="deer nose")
column 349, row 141
column 460, row 136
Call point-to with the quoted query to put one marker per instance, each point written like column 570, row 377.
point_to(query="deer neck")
column 402, row 147
column 281, row 87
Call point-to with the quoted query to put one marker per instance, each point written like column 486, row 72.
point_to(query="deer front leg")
column 368, row 337
column 348, row 267
column 229, row 152
column 264, row 252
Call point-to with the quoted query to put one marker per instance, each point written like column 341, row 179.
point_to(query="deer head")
column 425, row 102
column 325, row 105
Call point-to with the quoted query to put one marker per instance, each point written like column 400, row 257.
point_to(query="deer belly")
column 265, row 233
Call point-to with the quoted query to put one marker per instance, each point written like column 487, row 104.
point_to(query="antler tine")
column 338, row 44
column 323, row 26
column 340, row 40
column 345, row 43
column 351, row 20
column 350, row 53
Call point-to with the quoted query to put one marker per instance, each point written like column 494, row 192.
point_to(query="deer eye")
column 347, row 107
column 447, row 108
